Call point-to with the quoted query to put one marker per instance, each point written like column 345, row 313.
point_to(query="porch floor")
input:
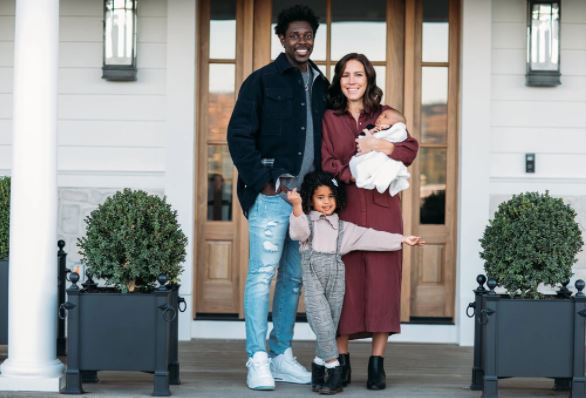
column 215, row 368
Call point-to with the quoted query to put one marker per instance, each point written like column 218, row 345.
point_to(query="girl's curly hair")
column 317, row 179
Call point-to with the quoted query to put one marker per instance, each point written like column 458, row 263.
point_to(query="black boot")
column 376, row 374
column 347, row 373
column 333, row 383
column 318, row 374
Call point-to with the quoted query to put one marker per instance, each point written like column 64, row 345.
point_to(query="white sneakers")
column 259, row 374
column 263, row 371
column 285, row 368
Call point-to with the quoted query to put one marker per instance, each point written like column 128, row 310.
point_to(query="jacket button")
column 299, row 153
column 303, row 104
column 302, row 128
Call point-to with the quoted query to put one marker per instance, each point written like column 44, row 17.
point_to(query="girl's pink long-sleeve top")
column 325, row 233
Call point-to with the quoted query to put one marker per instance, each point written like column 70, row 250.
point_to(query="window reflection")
column 221, row 97
column 223, row 29
column 359, row 27
column 432, row 193
column 120, row 38
column 381, row 80
column 545, row 37
column 434, row 105
column 319, row 44
column 435, row 31
column 219, row 183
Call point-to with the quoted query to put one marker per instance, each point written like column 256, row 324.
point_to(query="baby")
column 375, row 169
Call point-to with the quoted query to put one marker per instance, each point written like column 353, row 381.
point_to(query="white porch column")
column 180, row 163
column 474, row 188
column 32, row 364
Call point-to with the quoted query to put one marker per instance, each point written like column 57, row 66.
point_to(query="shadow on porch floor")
column 215, row 368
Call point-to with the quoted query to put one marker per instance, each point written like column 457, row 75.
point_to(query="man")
column 274, row 138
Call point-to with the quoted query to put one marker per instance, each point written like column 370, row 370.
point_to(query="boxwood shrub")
column 4, row 216
column 532, row 239
column 132, row 238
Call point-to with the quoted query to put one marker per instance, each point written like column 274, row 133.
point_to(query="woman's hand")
column 368, row 143
column 413, row 240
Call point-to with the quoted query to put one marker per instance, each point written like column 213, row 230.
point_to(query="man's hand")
column 269, row 189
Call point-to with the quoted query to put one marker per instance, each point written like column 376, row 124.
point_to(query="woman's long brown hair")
column 373, row 94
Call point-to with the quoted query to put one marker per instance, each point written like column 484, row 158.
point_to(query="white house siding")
column 110, row 134
column 550, row 122
column 6, row 62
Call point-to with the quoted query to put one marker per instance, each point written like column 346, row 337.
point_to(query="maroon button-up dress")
column 372, row 302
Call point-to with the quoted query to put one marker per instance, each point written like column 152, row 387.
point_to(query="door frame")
column 403, row 91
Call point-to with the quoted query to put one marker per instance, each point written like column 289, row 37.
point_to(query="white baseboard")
column 445, row 334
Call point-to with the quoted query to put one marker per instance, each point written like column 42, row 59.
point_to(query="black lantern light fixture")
column 119, row 40
column 543, row 43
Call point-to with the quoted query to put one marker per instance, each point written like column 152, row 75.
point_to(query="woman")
column 373, row 279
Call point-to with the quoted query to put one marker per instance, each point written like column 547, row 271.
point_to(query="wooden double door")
column 413, row 45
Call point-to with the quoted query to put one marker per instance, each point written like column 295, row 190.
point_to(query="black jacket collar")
column 283, row 64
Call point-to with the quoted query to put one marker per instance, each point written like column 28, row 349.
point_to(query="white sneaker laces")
column 263, row 367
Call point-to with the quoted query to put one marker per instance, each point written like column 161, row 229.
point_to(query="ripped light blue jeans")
column 271, row 249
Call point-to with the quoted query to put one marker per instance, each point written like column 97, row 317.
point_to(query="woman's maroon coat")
column 372, row 302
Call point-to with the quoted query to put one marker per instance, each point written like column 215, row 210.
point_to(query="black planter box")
column 117, row 331
column 529, row 338
column 3, row 302
column 61, row 275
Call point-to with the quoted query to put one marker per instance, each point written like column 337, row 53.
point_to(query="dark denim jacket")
column 266, row 133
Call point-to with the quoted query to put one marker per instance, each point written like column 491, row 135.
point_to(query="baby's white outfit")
column 377, row 170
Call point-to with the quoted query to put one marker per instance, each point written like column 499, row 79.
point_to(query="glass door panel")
column 434, row 105
column 435, row 27
column 220, row 177
column 221, row 99
column 359, row 28
column 432, row 177
column 223, row 30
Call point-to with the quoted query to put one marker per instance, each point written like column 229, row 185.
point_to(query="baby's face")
column 385, row 120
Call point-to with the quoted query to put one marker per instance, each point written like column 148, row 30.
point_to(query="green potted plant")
column 532, row 240
column 4, row 231
column 135, row 245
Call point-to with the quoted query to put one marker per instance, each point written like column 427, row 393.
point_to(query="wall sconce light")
column 543, row 43
column 119, row 40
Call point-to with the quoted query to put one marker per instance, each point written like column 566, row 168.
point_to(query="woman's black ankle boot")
column 318, row 375
column 333, row 384
column 376, row 374
column 346, row 369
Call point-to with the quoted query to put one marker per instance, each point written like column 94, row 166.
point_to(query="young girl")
column 323, row 240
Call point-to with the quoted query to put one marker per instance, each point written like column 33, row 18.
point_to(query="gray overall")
column 324, row 285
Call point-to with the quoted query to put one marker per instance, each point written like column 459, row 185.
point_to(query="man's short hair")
column 296, row 13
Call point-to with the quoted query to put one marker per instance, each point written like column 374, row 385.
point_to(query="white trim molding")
column 445, row 334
